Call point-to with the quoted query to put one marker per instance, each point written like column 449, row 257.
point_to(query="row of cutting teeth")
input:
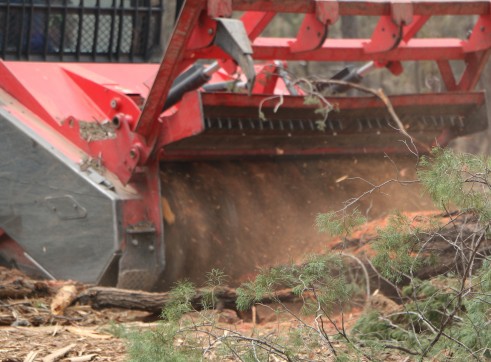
column 354, row 125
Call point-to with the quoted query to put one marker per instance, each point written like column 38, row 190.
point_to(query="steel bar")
column 368, row 7
column 169, row 67
column 348, row 50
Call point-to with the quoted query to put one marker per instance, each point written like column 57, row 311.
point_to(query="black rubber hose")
column 194, row 78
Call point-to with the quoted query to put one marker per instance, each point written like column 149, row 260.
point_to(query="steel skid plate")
column 69, row 220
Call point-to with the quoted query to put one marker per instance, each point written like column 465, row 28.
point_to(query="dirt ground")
column 87, row 332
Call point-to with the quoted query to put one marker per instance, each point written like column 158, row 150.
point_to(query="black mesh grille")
column 81, row 30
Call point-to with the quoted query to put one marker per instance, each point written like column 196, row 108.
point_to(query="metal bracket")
column 138, row 266
column 480, row 38
column 219, row 8
column 390, row 29
column 401, row 13
column 65, row 207
column 185, row 123
column 315, row 27
column 385, row 37
column 232, row 38
column 327, row 12
column 203, row 33
column 311, row 35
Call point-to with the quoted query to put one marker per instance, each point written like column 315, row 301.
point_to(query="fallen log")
column 105, row 297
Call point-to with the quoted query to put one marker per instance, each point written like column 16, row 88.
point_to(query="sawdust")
column 95, row 131
column 16, row 343
column 28, row 326
column 238, row 216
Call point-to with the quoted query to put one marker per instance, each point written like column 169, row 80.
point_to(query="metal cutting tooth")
column 282, row 128
column 461, row 121
column 379, row 125
column 365, row 124
column 311, row 125
column 336, row 124
column 281, row 124
column 331, row 127
column 452, row 121
column 360, row 125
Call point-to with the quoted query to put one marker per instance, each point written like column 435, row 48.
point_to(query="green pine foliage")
column 474, row 329
column 180, row 301
column 320, row 274
column 458, row 180
column 158, row 345
column 214, row 279
column 395, row 247
column 335, row 223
